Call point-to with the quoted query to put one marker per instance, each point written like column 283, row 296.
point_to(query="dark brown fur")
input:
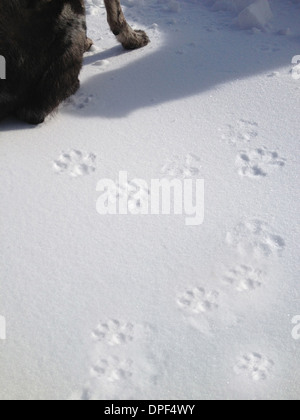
column 43, row 42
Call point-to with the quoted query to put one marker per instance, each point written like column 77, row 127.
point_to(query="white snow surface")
column 145, row 307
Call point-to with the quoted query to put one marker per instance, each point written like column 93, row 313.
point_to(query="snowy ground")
column 144, row 307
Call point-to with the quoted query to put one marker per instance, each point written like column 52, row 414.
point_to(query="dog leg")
column 129, row 38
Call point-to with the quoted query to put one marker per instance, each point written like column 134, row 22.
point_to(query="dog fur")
column 43, row 42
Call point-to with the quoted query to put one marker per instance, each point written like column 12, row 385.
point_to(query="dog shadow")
column 176, row 71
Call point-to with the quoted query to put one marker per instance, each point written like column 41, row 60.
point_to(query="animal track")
column 256, row 238
column 112, row 369
column 198, row 300
column 79, row 101
column 244, row 278
column 254, row 365
column 75, row 163
column 113, row 333
column 187, row 167
column 119, row 370
column 257, row 163
column 242, row 133
column 136, row 195
column 101, row 64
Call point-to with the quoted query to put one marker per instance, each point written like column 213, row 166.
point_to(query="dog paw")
column 138, row 39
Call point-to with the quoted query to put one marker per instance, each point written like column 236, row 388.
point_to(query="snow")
column 256, row 15
column 145, row 307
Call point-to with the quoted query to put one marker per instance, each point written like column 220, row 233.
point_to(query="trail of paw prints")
column 79, row 101
column 114, row 333
column 243, row 278
column 256, row 238
column 75, row 163
column 186, row 167
column 258, row 163
column 241, row 133
column 122, row 363
column 135, row 195
column 198, row 300
column 254, row 366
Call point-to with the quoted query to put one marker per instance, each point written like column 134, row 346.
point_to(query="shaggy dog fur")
column 43, row 42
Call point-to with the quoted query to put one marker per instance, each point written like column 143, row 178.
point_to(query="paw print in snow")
column 136, row 196
column 112, row 369
column 198, row 300
column 255, row 366
column 242, row 133
column 244, row 278
column 75, row 163
column 256, row 238
column 177, row 167
column 79, row 101
column 113, row 333
column 258, row 163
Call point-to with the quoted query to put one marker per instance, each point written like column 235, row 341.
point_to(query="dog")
column 42, row 43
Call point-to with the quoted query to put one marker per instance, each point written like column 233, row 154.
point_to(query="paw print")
column 112, row 369
column 75, row 163
column 255, row 366
column 113, row 333
column 136, row 196
column 198, row 300
column 177, row 167
column 256, row 238
column 258, row 163
column 244, row 278
column 244, row 132
column 79, row 101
